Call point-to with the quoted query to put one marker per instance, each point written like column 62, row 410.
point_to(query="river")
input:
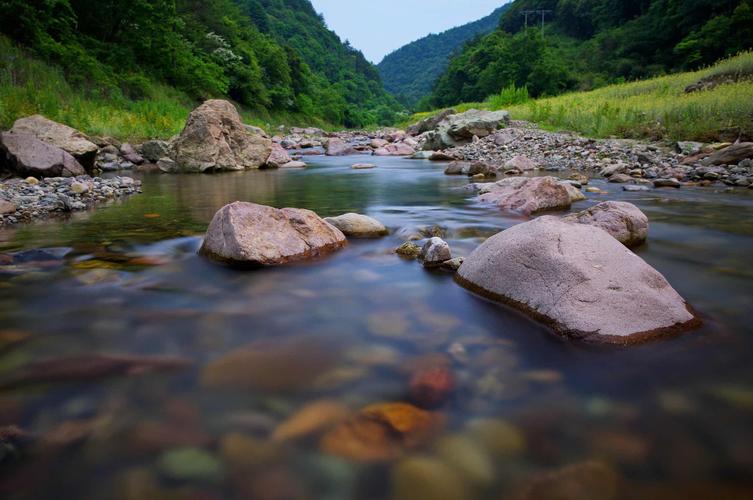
column 672, row 417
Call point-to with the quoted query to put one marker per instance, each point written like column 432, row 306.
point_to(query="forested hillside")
column 410, row 72
column 590, row 43
column 268, row 55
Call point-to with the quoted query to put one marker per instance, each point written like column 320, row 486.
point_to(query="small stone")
column 635, row 188
column 453, row 264
column 79, row 188
column 363, row 166
column 32, row 181
column 7, row 207
column 435, row 252
column 673, row 183
column 592, row 480
column 499, row 437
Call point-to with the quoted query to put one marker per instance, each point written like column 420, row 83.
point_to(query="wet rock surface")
column 358, row 226
column 624, row 221
column 23, row 154
column 526, row 195
column 579, row 280
column 256, row 235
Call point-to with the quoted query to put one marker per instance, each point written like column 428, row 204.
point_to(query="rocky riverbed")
column 24, row 200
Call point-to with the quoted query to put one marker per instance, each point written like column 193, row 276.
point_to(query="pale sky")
column 379, row 27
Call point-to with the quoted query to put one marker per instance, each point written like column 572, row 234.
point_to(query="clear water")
column 672, row 417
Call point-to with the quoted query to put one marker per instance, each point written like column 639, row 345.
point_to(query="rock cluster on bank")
column 23, row 200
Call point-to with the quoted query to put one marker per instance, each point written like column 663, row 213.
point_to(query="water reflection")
column 308, row 351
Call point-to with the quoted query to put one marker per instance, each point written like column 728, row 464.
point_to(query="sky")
column 379, row 27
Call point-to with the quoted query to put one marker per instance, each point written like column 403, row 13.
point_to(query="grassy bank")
column 657, row 108
column 29, row 86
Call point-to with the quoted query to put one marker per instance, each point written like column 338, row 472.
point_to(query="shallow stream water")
column 672, row 418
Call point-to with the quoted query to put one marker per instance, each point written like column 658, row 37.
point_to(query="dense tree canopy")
column 589, row 43
column 265, row 54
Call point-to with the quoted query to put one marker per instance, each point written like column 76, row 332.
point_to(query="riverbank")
column 710, row 105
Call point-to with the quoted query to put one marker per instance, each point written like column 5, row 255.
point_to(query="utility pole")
column 542, row 13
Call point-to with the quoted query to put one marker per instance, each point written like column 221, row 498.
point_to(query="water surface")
column 672, row 417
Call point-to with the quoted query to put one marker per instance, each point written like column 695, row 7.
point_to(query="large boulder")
column 278, row 157
column 429, row 123
column 257, row 235
column 577, row 279
column 25, row 155
column 70, row 140
column 731, row 155
column 215, row 139
column 358, row 226
column 459, row 129
column 526, row 195
column 338, row 147
column 624, row 221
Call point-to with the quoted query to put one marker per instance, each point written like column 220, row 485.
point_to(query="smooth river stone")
column 526, row 195
column 257, row 235
column 358, row 226
column 577, row 279
column 624, row 221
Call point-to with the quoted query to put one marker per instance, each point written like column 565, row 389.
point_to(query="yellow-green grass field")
column 657, row 108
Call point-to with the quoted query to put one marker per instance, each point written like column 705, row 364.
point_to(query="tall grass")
column 657, row 108
column 509, row 96
column 29, row 86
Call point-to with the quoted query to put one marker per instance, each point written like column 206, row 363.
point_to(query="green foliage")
column 272, row 56
column 508, row 96
column 591, row 43
column 410, row 72
column 656, row 108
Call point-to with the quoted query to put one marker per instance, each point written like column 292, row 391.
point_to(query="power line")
column 542, row 13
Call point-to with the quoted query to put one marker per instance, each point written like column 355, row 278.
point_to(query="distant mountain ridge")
column 410, row 72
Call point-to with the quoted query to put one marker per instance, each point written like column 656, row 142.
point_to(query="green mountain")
column 590, row 43
column 268, row 55
column 410, row 72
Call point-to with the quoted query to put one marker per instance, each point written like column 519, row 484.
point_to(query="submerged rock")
column 215, row 139
column 275, row 365
column 382, row 432
column 363, row 166
column 92, row 367
column 431, row 387
column 25, row 155
column 624, row 221
column 526, row 195
column 425, row 478
column 70, row 140
column 588, row 480
column 577, row 279
column 358, row 226
column 249, row 234
column 191, row 464
column 312, row 418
